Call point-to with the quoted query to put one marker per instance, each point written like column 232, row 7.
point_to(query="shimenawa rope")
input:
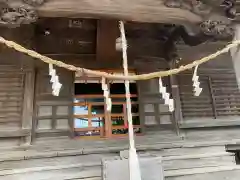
column 84, row 71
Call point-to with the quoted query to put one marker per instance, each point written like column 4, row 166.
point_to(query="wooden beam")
column 146, row 11
column 107, row 33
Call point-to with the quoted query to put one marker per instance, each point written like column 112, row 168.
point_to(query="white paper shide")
column 106, row 94
column 166, row 96
column 56, row 85
column 196, row 83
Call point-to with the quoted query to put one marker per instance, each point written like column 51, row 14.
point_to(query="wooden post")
column 54, row 117
column 70, row 109
column 107, row 33
column 27, row 113
column 177, row 114
column 141, row 107
column 157, row 113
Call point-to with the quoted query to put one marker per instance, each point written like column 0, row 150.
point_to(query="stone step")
column 210, row 173
column 188, row 150
column 170, row 163
column 156, row 149
column 94, row 173
column 90, row 165
column 204, row 159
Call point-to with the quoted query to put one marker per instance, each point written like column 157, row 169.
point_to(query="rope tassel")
column 134, row 169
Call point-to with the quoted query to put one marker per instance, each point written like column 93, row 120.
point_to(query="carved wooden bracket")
column 216, row 14
column 17, row 12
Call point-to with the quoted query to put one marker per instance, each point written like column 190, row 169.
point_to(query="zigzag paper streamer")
column 166, row 96
column 106, row 94
column 56, row 85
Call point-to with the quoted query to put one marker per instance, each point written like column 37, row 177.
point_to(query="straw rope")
column 48, row 60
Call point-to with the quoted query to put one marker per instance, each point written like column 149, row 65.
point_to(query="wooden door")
column 89, row 115
column 118, row 115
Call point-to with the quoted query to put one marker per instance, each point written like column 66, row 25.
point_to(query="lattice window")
column 90, row 115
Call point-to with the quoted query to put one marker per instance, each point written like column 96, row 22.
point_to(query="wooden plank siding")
column 153, row 113
column 11, row 100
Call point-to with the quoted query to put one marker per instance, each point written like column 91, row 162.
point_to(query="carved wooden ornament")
column 17, row 12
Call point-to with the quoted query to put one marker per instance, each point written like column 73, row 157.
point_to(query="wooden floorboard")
column 58, row 147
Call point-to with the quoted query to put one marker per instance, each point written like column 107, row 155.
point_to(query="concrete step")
column 196, row 161
column 187, row 150
column 94, row 173
column 89, row 166
column 210, row 173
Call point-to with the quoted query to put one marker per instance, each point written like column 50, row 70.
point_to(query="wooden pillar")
column 157, row 113
column 177, row 114
column 28, row 99
column 107, row 33
column 141, row 107
column 70, row 108
column 107, row 123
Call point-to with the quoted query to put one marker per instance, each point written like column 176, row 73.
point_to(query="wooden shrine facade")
column 29, row 111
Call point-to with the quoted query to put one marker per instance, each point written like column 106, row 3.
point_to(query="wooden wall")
column 16, row 90
column 53, row 115
column 219, row 99
column 153, row 113
column 11, row 101
column 48, row 116
column 215, row 113
column 16, row 105
column 63, row 36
